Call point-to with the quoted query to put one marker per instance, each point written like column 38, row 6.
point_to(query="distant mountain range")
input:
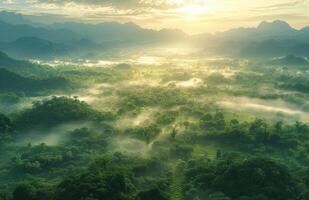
column 68, row 39
column 11, row 32
column 22, row 38
column 14, row 18
column 120, row 33
column 269, row 39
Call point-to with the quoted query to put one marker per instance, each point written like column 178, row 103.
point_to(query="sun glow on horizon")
column 194, row 7
column 191, row 16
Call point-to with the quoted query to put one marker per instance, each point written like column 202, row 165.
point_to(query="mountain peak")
column 13, row 18
column 132, row 24
column 305, row 29
column 277, row 25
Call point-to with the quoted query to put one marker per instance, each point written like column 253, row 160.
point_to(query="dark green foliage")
column 108, row 178
column 96, row 185
column 259, row 129
column 294, row 83
column 181, row 151
column 190, row 146
column 42, row 157
column 24, row 192
column 250, row 177
column 152, row 97
column 23, row 68
column 152, row 194
column 55, row 111
column 258, row 177
column 5, row 195
column 146, row 134
column 209, row 121
column 27, row 191
column 5, row 124
column 86, row 138
column 301, row 87
column 218, row 196
column 9, row 98
column 10, row 81
column 304, row 196
column 165, row 118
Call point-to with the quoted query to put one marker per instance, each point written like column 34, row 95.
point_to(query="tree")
column 206, row 121
column 278, row 127
column 5, row 123
column 152, row 194
column 24, row 192
column 55, row 111
column 304, row 196
column 258, row 128
column 219, row 120
column 301, row 127
column 5, row 196
column 255, row 177
column 174, row 134
column 218, row 196
column 234, row 123
column 218, row 154
column 101, row 185
column 209, row 121
column 146, row 134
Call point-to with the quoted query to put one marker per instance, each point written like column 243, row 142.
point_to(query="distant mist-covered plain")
column 115, row 111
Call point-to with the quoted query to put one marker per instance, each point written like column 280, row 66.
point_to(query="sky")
column 191, row 16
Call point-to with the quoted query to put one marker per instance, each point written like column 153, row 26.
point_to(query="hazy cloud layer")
column 192, row 16
column 120, row 4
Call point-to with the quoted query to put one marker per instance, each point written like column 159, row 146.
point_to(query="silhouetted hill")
column 23, row 68
column 269, row 39
column 121, row 33
column 276, row 27
column 34, row 48
column 12, row 32
column 290, row 60
column 14, row 18
column 10, row 81
column 274, row 48
column 7, row 61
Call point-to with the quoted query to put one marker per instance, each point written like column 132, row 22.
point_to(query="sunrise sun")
column 193, row 7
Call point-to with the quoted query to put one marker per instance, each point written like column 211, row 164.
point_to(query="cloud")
column 218, row 15
column 282, row 5
column 119, row 4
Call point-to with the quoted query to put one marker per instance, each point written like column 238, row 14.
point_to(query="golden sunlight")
column 194, row 7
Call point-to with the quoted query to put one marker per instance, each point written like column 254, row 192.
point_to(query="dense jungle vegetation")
column 206, row 130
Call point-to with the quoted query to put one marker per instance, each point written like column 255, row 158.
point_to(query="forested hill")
column 10, row 81
column 6, row 61
column 22, row 67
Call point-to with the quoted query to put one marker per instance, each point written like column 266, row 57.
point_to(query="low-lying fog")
column 266, row 108
column 183, row 73
column 52, row 137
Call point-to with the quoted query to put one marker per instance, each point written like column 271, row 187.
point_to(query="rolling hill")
column 23, row 68
column 11, row 82
column 33, row 48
